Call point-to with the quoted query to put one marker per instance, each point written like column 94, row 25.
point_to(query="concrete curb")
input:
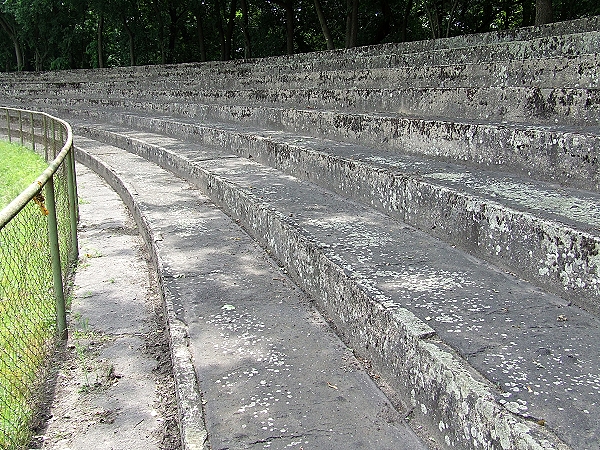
column 459, row 406
column 551, row 254
column 512, row 104
column 194, row 435
column 570, row 158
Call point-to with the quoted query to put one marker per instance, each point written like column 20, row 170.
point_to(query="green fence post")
column 53, row 139
column 8, row 125
column 61, row 315
column 21, row 126
column 32, row 133
column 73, row 206
column 45, row 121
column 75, row 181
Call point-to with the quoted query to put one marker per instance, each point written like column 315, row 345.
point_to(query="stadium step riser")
column 557, row 257
column 444, row 388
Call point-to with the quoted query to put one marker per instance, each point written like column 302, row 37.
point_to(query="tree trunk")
column 19, row 54
column 173, row 33
column 404, row 30
column 11, row 31
column 324, row 27
column 383, row 30
column 230, row 24
column 100, row 42
column 161, row 30
column 219, row 24
column 131, row 49
column 348, row 23
column 433, row 14
column 200, row 29
column 528, row 13
column 487, row 17
column 450, row 17
column 131, row 39
column 351, row 23
column 543, row 12
column 289, row 22
column 245, row 30
column 288, row 5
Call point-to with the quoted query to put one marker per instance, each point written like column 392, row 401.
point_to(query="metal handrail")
column 46, row 181
column 19, row 202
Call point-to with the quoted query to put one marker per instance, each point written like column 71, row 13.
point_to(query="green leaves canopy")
column 54, row 34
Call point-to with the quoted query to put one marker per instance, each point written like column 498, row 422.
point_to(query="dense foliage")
column 55, row 34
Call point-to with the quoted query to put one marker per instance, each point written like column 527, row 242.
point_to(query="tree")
column 528, row 8
column 324, row 27
column 199, row 12
column 351, row 23
column 225, row 32
column 245, row 30
column 288, row 7
column 439, row 11
column 100, row 41
column 9, row 27
column 61, row 34
column 129, row 14
column 543, row 12
column 405, row 17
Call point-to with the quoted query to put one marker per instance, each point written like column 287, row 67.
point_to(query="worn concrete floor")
column 114, row 389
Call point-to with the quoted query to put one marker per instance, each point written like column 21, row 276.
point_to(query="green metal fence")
column 38, row 249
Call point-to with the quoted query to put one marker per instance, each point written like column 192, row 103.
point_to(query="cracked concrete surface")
column 486, row 142
column 270, row 371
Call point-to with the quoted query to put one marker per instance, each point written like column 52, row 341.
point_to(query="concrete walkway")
column 268, row 372
column 533, row 346
column 114, row 388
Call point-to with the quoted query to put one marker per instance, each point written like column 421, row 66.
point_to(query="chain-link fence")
column 38, row 247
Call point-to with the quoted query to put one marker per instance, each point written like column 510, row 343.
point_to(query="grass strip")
column 26, row 298
column 19, row 167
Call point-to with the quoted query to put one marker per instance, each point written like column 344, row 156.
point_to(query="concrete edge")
column 519, row 105
column 194, row 435
column 550, row 254
column 459, row 406
column 570, row 159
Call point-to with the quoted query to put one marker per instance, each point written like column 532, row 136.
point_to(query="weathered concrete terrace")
column 439, row 202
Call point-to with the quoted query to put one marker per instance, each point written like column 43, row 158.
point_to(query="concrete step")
column 542, row 72
column 573, row 39
column 547, row 234
column 503, row 96
column 332, row 185
column 545, row 73
column 484, row 358
column 529, row 105
column 569, row 156
column 431, row 53
column 243, row 337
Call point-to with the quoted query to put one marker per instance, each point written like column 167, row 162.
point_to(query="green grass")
column 19, row 167
column 26, row 300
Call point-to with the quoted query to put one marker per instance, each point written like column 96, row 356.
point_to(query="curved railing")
column 38, row 249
